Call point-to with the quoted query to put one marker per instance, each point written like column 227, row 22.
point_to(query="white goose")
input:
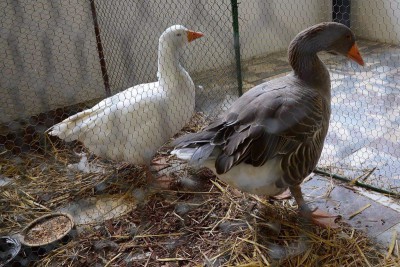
column 131, row 125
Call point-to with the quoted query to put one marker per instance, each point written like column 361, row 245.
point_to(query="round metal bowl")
column 48, row 229
column 9, row 249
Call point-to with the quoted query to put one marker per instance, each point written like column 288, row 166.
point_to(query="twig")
column 172, row 259
column 362, row 255
column 159, row 235
column 224, row 218
column 113, row 259
column 392, row 243
column 206, row 216
column 369, row 174
column 262, row 256
column 357, row 183
column 148, row 260
column 34, row 202
column 359, row 211
column 219, row 186
column 253, row 243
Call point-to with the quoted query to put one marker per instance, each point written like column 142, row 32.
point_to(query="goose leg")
column 315, row 216
column 155, row 179
column 149, row 175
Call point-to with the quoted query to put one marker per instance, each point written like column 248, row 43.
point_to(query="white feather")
column 184, row 153
column 133, row 124
column 255, row 180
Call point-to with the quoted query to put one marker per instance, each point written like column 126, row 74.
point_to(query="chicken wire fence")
column 61, row 57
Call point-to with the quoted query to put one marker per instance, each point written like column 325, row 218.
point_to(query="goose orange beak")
column 355, row 55
column 192, row 35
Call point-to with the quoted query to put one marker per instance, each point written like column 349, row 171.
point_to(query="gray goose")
column 272, row 137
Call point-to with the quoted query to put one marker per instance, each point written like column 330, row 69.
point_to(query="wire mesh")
column 49, row 48
column 363, row 136
column 365, row 109
column 62, row 57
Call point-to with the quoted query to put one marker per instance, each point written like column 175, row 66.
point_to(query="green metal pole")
column 236, row 44
column 357, row 183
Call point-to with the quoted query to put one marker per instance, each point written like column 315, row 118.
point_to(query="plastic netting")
column 62, row 57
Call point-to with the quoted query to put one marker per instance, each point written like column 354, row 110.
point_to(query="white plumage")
column 131, row 125
column 260, row 181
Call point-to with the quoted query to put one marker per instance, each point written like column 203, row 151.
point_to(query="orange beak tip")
column 355, row 55
column 192, row 35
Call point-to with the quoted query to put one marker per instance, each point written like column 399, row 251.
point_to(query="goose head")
column 332, row 37
column 178, row 36
column 343, row 42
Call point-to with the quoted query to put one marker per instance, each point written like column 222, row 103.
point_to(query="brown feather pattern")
column 263, row 125
column 285, row 119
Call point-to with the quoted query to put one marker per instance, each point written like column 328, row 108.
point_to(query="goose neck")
column 306, row 64
column 168, row 60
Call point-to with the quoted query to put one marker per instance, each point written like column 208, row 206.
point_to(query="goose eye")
column 348, row 36
column 178, row 34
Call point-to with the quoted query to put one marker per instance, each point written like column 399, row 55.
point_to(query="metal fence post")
column 100, row 49
column 236, row 44
column 341, row 11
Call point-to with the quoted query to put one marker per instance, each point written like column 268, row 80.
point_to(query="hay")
column 220, row 227
column 192, row 220
column 42, row 183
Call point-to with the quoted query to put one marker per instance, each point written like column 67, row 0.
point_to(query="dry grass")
column 190, row 218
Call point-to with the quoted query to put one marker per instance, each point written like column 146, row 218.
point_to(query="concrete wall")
column 48, row 56
column 269, row 26
column 377, row 20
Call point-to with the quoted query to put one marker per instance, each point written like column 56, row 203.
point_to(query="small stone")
column 133, row 230
column 139, row 194
column 137, row 257
column 105, row 244
column 4, row 181
column 99, row 188
column 182, row 208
